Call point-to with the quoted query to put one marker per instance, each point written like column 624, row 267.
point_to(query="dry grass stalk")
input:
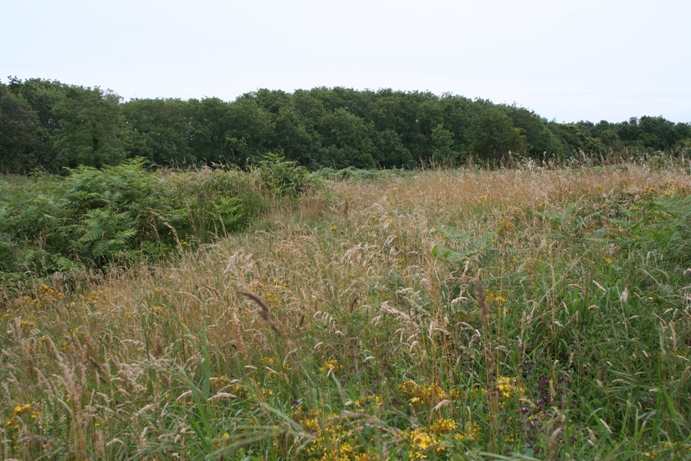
column 553, row 448
column 175, row 236
column 71, row 382
column 687, row 373
column 482, row 302
column 264, row 312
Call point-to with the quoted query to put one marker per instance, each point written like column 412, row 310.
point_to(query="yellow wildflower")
column 469, row 434
column 443, row 426
column 509, row 387
column 330, row 366
column 266, row 361
column 421, row 441
column 421, row 394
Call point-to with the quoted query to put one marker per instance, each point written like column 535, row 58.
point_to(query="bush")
column 94, row 217
column 284, row 178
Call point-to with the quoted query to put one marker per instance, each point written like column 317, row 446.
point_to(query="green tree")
column 607, row 134
column 92, row 132
column 209, row 125
column 493, row 135
column 390, row 151
column 347, row 141
column 458, row 113
column 630, row 132
column 20, row 135
column 78, row 125
column 160, row 130
column 442, row 145
column 249, row 130
column 683, row 134
column 292, row 137
column 657, row 133
column 40, row 97
column 579, row 137
column 272, row 101
column 537, row 132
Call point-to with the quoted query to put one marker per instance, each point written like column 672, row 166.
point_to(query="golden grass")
column 304, row 269
column 364, row 251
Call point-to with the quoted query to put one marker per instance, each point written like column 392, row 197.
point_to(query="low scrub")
column 94, row 218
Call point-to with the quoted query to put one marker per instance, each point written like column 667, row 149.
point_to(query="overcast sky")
column 566, row 60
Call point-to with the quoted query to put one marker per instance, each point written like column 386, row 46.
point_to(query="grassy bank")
column 442, row 315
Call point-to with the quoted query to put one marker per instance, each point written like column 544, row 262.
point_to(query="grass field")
column 465, row 314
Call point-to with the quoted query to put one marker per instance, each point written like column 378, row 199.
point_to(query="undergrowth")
column 446, row 315
column 93, row 218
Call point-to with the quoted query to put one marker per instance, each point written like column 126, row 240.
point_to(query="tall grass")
column 512, row 314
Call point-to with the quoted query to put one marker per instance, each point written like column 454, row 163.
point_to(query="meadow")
column 465, row 314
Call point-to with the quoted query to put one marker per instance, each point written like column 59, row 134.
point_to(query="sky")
column 566, row 60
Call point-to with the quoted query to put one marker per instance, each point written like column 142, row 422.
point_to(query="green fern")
column 105, row 234
column 466, row 247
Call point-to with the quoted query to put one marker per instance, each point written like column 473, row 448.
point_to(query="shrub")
column 95, row 217
column 283, row 177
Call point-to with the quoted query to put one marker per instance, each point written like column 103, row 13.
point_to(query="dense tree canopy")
column 50, row 125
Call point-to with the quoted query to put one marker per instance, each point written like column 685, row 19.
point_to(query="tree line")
column 51, row 125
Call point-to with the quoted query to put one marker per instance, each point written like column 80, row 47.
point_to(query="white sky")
column 566, row 60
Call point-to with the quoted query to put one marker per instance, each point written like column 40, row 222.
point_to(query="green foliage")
column 659, row 227
column 284, row 178
column 92, row 128
column 442, row 142
column 20, row 135
column 346, row 139
column 105, row 234
column 466, row 247
column 75, row 125
column 493, row 135
column 161, row 131
column 578, row 137
column 95, row 217
column 52, row 125
column 539, row 135
column 391, row 152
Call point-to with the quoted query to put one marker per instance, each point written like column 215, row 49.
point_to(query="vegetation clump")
column 94, row 218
